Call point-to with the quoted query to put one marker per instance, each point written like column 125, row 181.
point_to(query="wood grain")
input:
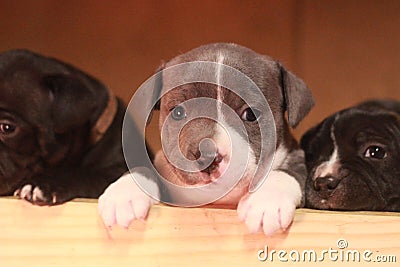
column 73, row 234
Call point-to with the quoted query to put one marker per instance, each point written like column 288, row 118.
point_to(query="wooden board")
column 73, row 235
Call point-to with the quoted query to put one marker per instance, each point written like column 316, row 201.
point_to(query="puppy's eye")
column 250, row 114
column 6, row 128
column 375, row 152
column 178, row 113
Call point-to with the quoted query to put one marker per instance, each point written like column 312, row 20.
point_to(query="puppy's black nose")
column 327, row 183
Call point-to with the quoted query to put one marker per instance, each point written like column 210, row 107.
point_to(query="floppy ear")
column 74, row 102
column 298, row 99
column 309, row 141
column 305, row 140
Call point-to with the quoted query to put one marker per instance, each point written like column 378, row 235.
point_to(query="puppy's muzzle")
column 207, row 156
column 326, row 185
column 214, row 157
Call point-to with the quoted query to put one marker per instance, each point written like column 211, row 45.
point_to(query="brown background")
column 346, row 50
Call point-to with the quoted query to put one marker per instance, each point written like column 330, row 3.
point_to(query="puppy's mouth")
column 207, row 174
column 212, row 172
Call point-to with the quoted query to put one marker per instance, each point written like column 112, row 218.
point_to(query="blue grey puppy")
column 272, row 206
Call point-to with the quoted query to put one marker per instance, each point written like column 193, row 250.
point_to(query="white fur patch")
column 228, row 140
column 26, row 192
column 272, row 206
column 279, row 157
column 329, row 167
column 220, row 97
column 223, row 141
column 234, row 142
column 30, row 193
column 124, row 201
column 220, row 61
column 37, row 194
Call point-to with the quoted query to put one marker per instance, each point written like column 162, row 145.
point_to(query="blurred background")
column 345, row 50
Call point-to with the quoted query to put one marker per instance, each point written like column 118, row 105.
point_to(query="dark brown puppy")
column 60, row 130
column 353, row 159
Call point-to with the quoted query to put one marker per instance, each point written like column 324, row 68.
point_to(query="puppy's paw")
column 272, row 206
column 124, row 201
column 37, row 194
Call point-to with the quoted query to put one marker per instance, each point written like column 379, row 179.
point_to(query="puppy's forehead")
column 196, row 90
column 21, row 71
column 17, row 60
column 361, row 125
column 20, row 83
column 262, row 69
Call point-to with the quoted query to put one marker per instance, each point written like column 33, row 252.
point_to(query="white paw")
column 272, row 206
column 124, row 201
column 31, row 194
column 25, row 192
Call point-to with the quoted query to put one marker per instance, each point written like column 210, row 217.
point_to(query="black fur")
column 363, row 183
column 53, row 107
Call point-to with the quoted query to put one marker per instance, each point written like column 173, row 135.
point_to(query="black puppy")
column 60, row 130
column 353, row 159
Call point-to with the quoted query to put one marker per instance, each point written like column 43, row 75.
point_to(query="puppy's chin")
column 230, row 200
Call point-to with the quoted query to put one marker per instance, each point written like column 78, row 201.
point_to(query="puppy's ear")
column 298, row 99
column 74, row 102
column 156, row 91
column 309, row 145
column 308, row 136
column 313, row 137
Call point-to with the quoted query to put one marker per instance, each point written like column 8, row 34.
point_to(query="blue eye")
column 375, row 152
column 178, row 113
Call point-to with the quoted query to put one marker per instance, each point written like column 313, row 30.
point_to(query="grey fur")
column 283, row 90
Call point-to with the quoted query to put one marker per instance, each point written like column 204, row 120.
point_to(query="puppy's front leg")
column 124, row 201
column 272, row 206
column 57, row 186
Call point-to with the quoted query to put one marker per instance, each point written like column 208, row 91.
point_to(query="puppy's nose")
column 215, row 158
column 327, row 183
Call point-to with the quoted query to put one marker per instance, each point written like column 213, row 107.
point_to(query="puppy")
column 60, row 130
column 270, row 207
column 353, row 159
